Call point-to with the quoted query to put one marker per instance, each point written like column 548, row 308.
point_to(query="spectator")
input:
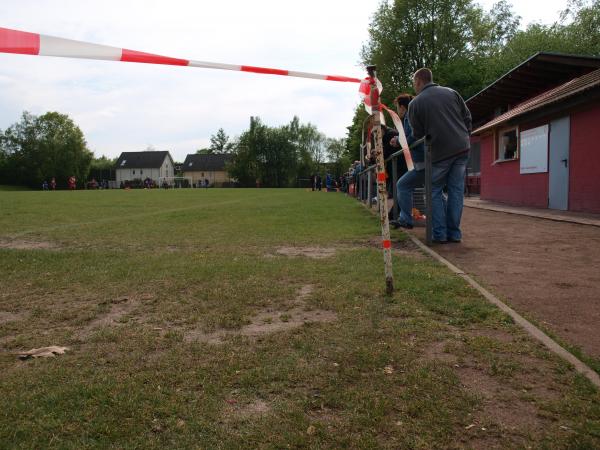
column 45, row 185
column 53, row 184
column 412, row 178
column 328, row 182
column 72, row 181
column 441, row 113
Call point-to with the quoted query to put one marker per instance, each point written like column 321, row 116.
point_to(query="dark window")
column 475, row 158
column 507, row 145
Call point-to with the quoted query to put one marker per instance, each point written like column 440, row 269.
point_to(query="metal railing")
column 365, row 180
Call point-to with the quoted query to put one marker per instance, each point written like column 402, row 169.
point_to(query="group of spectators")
column 440, row 113
column 51, row 186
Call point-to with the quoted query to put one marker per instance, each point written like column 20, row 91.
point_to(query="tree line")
column 38, row 148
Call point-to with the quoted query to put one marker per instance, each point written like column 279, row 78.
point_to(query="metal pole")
column 381, row 185
column 394, row 163
column 428, row 204
column 369, row 188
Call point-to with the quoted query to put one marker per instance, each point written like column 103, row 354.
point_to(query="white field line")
column 119, row 218
column 534, row 331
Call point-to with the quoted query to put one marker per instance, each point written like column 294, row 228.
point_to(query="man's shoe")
column 454, row 241
column 400, row 224
column 437, row 241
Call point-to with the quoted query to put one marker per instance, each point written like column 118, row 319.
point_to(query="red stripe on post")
column 150, row 58
column 264, row 70
column 21, row 42
column 342, row 79
column 387, row 244
column 381, row 177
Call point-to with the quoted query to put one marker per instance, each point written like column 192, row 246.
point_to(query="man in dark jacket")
column 441, row 113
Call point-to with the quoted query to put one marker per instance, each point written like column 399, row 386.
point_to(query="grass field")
column 256, row 319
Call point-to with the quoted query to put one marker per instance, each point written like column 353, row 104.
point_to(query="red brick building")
column 537, row 133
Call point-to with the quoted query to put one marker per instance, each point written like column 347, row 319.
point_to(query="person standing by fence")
column 441, row 113
column 413, row 178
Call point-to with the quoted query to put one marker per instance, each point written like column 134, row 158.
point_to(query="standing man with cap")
column 441, row 113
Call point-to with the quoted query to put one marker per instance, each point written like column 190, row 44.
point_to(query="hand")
column 394, row 141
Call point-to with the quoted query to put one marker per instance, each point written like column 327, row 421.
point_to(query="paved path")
column 550, row 214
column 549, row 271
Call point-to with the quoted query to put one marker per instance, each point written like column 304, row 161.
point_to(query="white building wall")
column 166, row 170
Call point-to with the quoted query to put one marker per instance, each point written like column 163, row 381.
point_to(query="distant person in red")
column 53, row 184
column 72, row 182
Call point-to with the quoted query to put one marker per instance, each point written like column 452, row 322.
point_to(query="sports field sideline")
column 256, row 319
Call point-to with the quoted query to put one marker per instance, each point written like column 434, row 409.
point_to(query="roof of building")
column 537, row 74
column 209, row 163
column 576, row 86
column 142, row 160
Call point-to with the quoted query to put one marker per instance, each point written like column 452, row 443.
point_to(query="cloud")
column 124, row 107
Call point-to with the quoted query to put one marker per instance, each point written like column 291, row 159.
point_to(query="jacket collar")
column 428, row 85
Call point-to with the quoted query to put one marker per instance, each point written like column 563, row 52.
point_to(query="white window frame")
column 498, row 136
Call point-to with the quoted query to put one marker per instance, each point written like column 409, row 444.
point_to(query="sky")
column 131, row 107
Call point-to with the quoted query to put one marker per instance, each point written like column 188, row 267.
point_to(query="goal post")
column 175, row 182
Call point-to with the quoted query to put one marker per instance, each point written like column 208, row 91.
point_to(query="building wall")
column 502, row 181
column 214, row 178
column 584, row 173
column 166, row 170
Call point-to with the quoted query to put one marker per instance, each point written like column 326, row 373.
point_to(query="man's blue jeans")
column 405, row 187
column 447, row 214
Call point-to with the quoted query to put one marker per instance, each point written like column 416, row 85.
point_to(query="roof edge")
column 535, row 55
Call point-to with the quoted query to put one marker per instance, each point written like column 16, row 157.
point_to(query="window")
column 123, row 162
column 508, row 144
column 134, row 171
column 474, row 159
column 141, row 171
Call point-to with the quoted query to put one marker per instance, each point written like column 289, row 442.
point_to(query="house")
column 537, row 131
column 207, row 167
column 141, row 165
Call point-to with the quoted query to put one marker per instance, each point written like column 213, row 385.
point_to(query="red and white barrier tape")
column 24, row 43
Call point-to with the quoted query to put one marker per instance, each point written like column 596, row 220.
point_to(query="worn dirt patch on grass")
column 308, row 252
column 255, row 409
column 269, row 321
column 19, row 244
column 502, row 410
column 437, row 351
column 118, row 308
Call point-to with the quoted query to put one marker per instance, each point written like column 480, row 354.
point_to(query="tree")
column 102, row 168
column 38, row 148
column 449, row 36
column 219, row 143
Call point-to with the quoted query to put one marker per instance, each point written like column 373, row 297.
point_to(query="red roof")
column 562, row 92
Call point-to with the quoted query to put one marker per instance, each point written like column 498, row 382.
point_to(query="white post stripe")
column 54, row 46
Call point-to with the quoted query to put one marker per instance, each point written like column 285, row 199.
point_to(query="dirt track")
column 548, row 271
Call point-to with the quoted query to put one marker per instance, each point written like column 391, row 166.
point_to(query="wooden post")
column 381, row 185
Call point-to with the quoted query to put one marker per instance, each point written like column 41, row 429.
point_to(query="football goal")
column 175, row 182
